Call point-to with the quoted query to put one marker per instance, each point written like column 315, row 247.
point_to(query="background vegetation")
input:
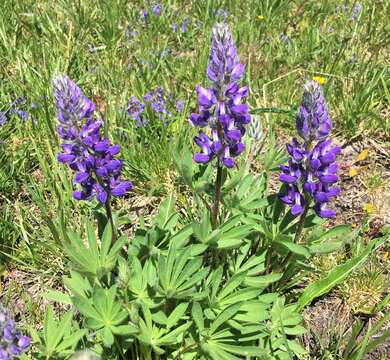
column 114, row 53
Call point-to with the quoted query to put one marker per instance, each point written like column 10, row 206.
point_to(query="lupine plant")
column 311, row 172
column 12, row 342
column 221, row 279
column 84, row 149
column 221, row 108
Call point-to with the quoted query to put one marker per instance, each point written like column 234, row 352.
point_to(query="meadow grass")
column 114, row 54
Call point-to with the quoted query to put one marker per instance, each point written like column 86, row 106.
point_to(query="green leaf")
column 294, row 248
column 197, row 315
column 243, row 350
column 166, row 210
column 253, row 312
column 58, row 296
column 331, row 240
column 124, row 330
column 233, row 283
column 176, row 314
column 265, row 280
column 337, row 275
column 49, row 329
column 172, row 337
column 69, row 342
column 224, row 316
column 214, row 350
column 233, row 181
column 108, row 337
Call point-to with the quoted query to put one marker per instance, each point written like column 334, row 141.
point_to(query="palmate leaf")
column 179, row 272
column 94, row 260
column 248, row 195
column 59, row 338
column 104, row 313
column 230, row 235
column 157, row 337
column 167, row 215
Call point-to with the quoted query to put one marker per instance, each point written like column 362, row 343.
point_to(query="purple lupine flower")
column 157, row 101
column 184, row 24
column 23, row 115
column 221, row 14
column 341, row 8
column 356, row 11
column 86, row 152
column 12, row 342
column 221, row 107
column 179, row 105
column 311, row 172
column 135, row 109
column 144, row 16
column 174, row 27
column 156, row 9
column 3, row 118
column 285, row 39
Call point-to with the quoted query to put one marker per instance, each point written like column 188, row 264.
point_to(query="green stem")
column 297, row 237
column 110, row 218
column 119, row 348
column 183, row 350
column 217, row 199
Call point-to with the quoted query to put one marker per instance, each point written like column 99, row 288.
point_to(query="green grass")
column 41, row 38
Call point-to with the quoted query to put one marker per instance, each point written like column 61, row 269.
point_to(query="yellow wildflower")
column 303, row 24
column 320, row 79
column 352, row 172
column 260, row 17
column 369, row 208
column 362, row 156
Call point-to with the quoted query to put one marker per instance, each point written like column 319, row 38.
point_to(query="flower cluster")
column 221, row 107
column 184, row 25
column 12, row 342
column 157, row 101
column 354, row 11
column 153, row 7
column 84, row 149
column 17, row 107
column 312, row 169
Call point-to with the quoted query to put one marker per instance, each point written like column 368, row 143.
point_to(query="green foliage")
column 59, row 338
column 95, row 260
column 175, row 286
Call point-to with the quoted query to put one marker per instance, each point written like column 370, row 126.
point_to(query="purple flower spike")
column 312, row 170
column 221, row 107
column 12, row 342
column 313, row 121
column 84, row 149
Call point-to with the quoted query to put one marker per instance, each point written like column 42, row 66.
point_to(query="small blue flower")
column 23, row 115
column 179, row 105
column 156, row 9
column 3, row 118
column 221, row 15
column 184, row 24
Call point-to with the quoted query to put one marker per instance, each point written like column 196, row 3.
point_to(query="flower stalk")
column 217, row 197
